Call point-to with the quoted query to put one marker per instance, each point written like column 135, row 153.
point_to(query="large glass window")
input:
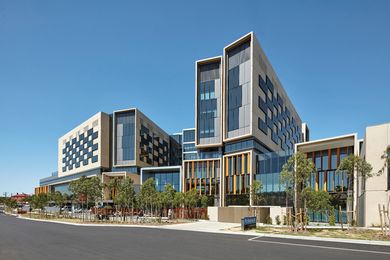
column 190, row 147
column 333, row 160
column 330, row 181
column 208, row 100
column 325, row 160
column 189, row 136
column 318, row 160
column 321, row 180
column 125, row 137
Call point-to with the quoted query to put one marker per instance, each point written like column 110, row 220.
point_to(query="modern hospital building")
column 246, row 128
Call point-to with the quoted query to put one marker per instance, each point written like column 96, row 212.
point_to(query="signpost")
column 248, row 222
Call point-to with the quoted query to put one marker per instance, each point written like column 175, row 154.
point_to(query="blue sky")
column 63, row 61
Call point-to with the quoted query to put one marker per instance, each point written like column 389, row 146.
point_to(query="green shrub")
column 277, row 219
column 332, row 219
column 268, row 220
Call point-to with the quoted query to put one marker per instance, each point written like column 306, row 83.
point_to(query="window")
column 330, row 181
column 270, row 95
column 262, row 115
column 325, row 160
column 188, row 136
column 333, row 160
column 313, row 180
column 275, row 129
column 321, row 180
column 318, row 160
column 262, row 94
column 270, row 114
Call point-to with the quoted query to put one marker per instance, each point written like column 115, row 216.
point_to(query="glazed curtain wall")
column 237, row 173
column 269, row 166
column 209, row 102
column 124, row 137
column 326, row 177
column 202, row 175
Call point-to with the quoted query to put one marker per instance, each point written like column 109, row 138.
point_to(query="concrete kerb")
column 251, row 233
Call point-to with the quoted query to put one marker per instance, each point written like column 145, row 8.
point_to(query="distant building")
column 20, row 197
column 118, row 145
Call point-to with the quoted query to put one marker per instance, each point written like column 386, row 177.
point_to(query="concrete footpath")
column 221, row 228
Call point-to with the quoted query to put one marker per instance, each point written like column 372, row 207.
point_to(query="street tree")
column 125, row 196
column 256, row 195
column 294, row 176
column 169, row 195
column 350, row 165
column 57, row 198
column 178, row 202
column 317, row 201
column 148, row 194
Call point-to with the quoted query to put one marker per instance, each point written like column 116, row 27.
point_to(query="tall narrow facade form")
column 242, row 112
column 208, row 102
column 376, row 190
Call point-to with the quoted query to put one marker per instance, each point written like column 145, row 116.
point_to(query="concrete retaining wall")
column 233, row 214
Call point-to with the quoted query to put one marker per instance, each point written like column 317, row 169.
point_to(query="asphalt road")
column 24, row 239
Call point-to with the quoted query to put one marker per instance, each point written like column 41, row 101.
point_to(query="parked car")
column 67, row 209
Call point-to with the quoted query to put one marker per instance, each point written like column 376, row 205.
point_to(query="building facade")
column 241, row 113
column 111, row 146
column 375, row 191
column 246, row 128
column 326, row 155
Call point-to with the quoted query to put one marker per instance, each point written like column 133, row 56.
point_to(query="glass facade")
column 163, row 178
column 189, row 147
column 209, row 103
column 245, row 145
column 326, row 177
column 63, row 188
column 188, row 135
column 203, row 176
column 238, row 90
column 124, row 138
column 175, row 149
column 268, row 168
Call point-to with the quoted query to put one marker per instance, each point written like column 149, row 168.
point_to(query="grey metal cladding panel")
column 210, row 71
column 239, row 54
column 277, row 117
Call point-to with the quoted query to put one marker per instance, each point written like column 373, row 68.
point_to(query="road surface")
column 24, row 239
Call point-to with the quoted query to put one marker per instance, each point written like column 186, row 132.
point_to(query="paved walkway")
column 204, row 226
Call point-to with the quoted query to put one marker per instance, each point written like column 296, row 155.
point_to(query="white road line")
column 253, row 239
